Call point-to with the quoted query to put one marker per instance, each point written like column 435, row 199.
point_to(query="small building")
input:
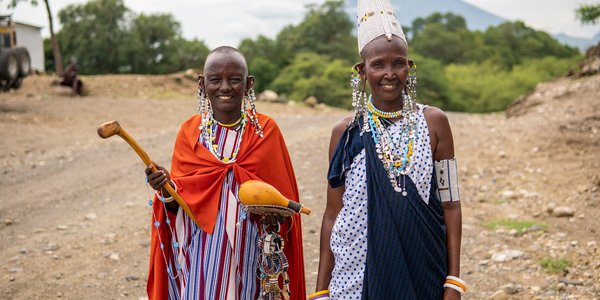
column 30, row 37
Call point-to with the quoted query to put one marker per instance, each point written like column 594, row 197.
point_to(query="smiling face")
column 225, row 81
column 385, row 65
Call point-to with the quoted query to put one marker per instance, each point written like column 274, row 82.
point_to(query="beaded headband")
column 374, row 19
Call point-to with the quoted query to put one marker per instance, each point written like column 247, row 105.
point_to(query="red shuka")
column 200, row 176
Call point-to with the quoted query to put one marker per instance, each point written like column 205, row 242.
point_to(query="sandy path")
column 74, row 219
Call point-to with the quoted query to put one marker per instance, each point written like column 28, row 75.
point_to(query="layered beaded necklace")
column 208, row 134
column 397, row 165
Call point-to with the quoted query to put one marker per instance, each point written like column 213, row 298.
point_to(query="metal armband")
column 446, row 174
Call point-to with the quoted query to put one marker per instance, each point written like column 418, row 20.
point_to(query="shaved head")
column 226, row 51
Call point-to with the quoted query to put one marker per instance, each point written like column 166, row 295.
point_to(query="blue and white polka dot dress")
column 349, row 233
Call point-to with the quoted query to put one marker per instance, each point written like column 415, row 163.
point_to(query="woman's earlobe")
column 201, row 81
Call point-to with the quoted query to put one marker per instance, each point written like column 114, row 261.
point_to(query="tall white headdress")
column 376, row 18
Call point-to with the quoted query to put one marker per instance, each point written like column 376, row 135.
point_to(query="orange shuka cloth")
column 200, row 176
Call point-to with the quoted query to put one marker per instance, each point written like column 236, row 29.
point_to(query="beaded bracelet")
column 456, row 284
column 321, row 295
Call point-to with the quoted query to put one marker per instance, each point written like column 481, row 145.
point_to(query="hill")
column 408, row 10
column 476, row 18
column 582, row 43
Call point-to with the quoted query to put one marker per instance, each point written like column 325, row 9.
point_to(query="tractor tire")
column 24, row 61
column 17, row 83
column 9, row 65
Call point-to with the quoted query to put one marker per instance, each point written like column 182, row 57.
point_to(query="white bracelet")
column 454, row 287
column 163, row 199
column 456, row 279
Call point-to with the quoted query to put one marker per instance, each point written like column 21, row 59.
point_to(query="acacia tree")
column 588, row 14
column 55, row 47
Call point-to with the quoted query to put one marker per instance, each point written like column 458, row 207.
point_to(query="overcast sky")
column 226, row 22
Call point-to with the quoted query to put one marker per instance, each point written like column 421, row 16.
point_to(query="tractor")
column 15, row 62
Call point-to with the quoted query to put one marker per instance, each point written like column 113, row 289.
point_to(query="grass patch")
column 520, row 225
column 554, row 265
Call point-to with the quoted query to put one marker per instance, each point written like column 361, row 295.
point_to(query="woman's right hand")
column 158, row 178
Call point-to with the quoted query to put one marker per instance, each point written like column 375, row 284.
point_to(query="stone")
column 508, row 195
column 191, row 74
column 499, row 295
column 510, row 288
column 311, row 101
column 114, row 256
column 268, row 96
column 91, row 216
column 563, row 211
column 506, row 255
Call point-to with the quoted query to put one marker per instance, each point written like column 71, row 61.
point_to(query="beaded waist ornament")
column 264, row 200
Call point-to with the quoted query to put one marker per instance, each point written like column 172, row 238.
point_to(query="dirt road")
column 74, row 220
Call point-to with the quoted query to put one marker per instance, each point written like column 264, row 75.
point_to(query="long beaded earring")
column 359, row 96
column 205, row 110
column 253, row 115
column 201, row 101
column 412, row 82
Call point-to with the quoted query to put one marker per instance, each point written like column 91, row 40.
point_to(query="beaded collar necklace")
column 382, row 114
column 397, row 165
column 208, row 134
column 231, row 125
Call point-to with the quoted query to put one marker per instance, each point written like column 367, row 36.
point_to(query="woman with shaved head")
column 214, row 253
column 392, row 225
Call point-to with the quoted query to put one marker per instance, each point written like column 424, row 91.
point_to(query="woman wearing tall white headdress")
column 392, row 226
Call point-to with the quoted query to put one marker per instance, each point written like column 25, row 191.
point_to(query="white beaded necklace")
column 396, row 165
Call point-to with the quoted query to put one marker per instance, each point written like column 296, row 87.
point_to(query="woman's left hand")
column 272, row 219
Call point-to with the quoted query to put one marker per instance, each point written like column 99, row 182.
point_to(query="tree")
column 187, row 54
column 325, row 30
column 588, row 14
column 264, row 59
column 432, row 87
column 448, row 21
column 311, row 74
column 58, row 63
column 106, row 37
column 444, row 37
column 518, row 42
column 154, row 42
column 95, row 33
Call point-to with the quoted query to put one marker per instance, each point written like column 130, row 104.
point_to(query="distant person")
column 392, row 224
column 69, row 78
column 224, row 145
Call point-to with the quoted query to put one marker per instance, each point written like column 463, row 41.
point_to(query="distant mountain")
column 476, row 18
column 408, row 10
column 582, row 43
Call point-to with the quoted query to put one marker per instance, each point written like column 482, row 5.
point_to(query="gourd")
column 258, row 193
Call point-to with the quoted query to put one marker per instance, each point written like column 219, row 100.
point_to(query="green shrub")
column 554, row 265
column 488, row 87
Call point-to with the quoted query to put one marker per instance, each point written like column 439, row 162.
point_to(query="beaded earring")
column 205, row 109
column 359, row 96
column 201, row 101
column 252, row 115
column 411, row 85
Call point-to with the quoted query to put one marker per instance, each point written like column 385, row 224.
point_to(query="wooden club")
column 111, row 128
